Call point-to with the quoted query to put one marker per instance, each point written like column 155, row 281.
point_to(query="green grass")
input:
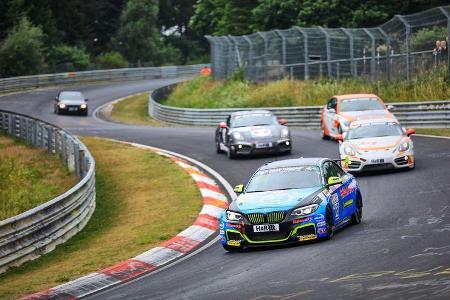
column 434, row 131
column 134, row 110
column 203, row 92
column 142, row 199
column 29, row 177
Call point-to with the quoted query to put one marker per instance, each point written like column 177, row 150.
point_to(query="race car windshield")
column 285, row 178
column 373, row 130
column 75, row 96
column 253, row 120
column 360, row 104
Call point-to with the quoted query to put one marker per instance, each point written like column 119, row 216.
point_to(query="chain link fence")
column 401, row 48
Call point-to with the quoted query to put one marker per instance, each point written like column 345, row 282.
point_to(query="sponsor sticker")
column 237, row 226
column 307, row 237
column 319, row 217
column 322, row 230
column 345, row 191
column 234, row 243
column 222, row 231
column 335, row 202
column 321, row 223
column 296, row 221
column 222, row 225
column 348, row 203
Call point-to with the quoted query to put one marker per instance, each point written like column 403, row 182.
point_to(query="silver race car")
column 252, row 132
column 376, row 145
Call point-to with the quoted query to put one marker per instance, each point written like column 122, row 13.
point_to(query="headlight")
column 284, row 133
column 62, row 105
column 83, row 106
column 305, row 210
column 348, row 150
column 233, row 216
column 403, row 146
column 238, row 136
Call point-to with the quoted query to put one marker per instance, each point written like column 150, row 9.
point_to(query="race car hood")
column 376, row 143
column 366, row 114
column 259, row 132
column 273, row 200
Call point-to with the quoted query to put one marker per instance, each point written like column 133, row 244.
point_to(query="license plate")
column 377, row 161
column 73, row 108
column 266, row 228
column 263, row 145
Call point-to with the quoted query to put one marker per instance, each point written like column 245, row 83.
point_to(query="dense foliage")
column 51, row 35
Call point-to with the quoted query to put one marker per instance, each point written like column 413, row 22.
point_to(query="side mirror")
column 239, row 188
column 410, row 131
column 223, row 125
column 333, row 180
column 339, row 137
column 390, row 107
column 331, row 110
column 282, row 121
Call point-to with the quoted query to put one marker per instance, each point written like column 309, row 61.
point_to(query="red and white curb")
column 206, row 224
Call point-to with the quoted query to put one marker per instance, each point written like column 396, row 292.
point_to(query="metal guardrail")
column 427, row 114
column 36, row 81
column 37, row 231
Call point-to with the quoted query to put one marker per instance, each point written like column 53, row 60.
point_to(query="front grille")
column 307, row 230
column 354, row 164
column 275, row 217
column 257, row 218
column 377, row 167
column 285, row 230
column 233, row 236
column 400, row 161
column 272, row 217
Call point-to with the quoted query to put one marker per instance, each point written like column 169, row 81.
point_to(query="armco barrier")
column 36, row 81
column 427, row 114
column 37, row 231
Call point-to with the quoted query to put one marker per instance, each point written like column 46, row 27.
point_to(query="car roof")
column 350, row 96
column 295, row 162
column 249, row 112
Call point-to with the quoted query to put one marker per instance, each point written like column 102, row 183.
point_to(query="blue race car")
column 291, row 201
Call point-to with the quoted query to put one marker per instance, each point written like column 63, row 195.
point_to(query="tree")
column 275, row 14
column 73, row 58
column 138, row 37
column 236, row 18
column 22, row 52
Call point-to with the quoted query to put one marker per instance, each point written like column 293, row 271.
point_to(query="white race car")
column 376, row 145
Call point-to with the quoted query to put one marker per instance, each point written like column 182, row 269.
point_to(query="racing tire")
column 86, row 113
column 357, row 216
column 218, row 150
column 329, row 223
column 231, row 154
column 232, row 248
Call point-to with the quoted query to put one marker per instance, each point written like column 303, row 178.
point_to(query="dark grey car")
column 71, row 102
column 252, row 132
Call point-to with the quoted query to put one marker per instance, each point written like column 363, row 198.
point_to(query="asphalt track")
column 401, row 249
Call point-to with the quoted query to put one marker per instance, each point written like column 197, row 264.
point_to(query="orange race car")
column 341, row 110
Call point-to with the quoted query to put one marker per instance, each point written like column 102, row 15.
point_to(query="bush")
column 425, row 39
column 72, row 58
column 112, row 60
column 22, row 52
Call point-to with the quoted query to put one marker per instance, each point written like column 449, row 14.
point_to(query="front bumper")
column 379, row 160
column 241, row 234
column 247, row 148
column 76, row 109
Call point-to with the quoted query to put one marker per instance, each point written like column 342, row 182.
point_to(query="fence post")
column 352, row 54
column 265, row 52
column 236, row 49
column 327, row 40
column 448, row 38
column 372, row 61
column 408, row 47
column 250, row 55
column 305, row 45
column 212, row 53
column 388, row 52
column 283, row 50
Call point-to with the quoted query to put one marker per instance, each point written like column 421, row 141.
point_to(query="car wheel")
column 357, row 216
column 232, row 248
column 231, row 154
column 57, row 111
column 218, row 150
column 329, row 222
column 86, row 113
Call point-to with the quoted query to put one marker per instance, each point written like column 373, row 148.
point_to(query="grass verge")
column 434, row 131
column 29, row 177
column 142, row 199
column 203, row 92
column 134, row 110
